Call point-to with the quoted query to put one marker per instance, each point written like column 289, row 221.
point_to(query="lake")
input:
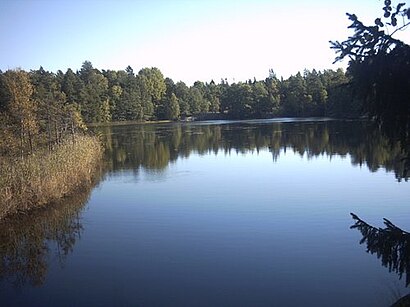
column 224, row 213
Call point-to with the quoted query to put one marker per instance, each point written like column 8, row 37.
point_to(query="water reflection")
column 180, row 236
column 154, row 147
column 29, row 242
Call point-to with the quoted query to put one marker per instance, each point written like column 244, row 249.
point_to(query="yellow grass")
column 45, row 177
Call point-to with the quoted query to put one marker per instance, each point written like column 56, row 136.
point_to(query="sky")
column 187, row 40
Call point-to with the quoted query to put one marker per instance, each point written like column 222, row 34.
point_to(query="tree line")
column 118, row 95
column 34, row 112
column 41, row 143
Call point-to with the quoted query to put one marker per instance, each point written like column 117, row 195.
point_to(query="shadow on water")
column 28, row 243
column 154, row 147
column 391, row 245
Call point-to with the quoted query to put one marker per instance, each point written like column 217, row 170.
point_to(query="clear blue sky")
column 186, row 40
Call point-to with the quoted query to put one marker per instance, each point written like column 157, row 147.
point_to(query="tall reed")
column 44, row 177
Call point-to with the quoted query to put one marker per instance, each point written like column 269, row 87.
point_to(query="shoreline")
column 46, row 177
column 216, row 118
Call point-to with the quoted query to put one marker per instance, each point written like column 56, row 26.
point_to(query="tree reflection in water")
column 29, row 242
column 154, row 147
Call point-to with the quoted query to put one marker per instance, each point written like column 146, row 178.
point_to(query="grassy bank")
column 45, row 177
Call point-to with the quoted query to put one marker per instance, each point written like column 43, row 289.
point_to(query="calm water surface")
column 252, row 213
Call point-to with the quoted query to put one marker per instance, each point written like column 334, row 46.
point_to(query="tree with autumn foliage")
column 18, row 110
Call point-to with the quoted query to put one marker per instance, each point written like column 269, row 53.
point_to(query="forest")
column 110, row 95
column 42, row 141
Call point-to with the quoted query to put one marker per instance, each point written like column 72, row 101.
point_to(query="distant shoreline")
column 205, row 119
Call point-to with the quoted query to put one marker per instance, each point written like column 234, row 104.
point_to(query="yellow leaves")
column 116, row 91
column 75, row 117
column 17, row 84
column 105, row 112
column 21, row 108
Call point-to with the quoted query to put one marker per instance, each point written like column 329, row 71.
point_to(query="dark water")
column 216, row 214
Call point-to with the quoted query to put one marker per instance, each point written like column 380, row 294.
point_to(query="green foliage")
column 195, row 100
column 182, row 93
column 93, row 94
column 273, row 87
column 153, row 89
column 262, row 104
column 110, row 95
column 317, row 93
column 295, row 98
column 130, row 105
column 71, row 86
column 213, row 94
column 173, row 111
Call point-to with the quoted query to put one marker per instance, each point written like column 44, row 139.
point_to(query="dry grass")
column 45, row 177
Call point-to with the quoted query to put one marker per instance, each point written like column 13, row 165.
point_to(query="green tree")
column 273, row 87
column 114, row 95
column 173, row 112
column 114, row 92
column 182, row 93
column 153, row 88
column 131, row 97
column 294, row 96
column 213, row 95
column 200, row 103
column 71, row 86
column 169, row 87
column 262, row 105
column 238, row 101
column 318, row 93
column 93, row 96
column 163, row 110
column 51, row 102
column 195, row 100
